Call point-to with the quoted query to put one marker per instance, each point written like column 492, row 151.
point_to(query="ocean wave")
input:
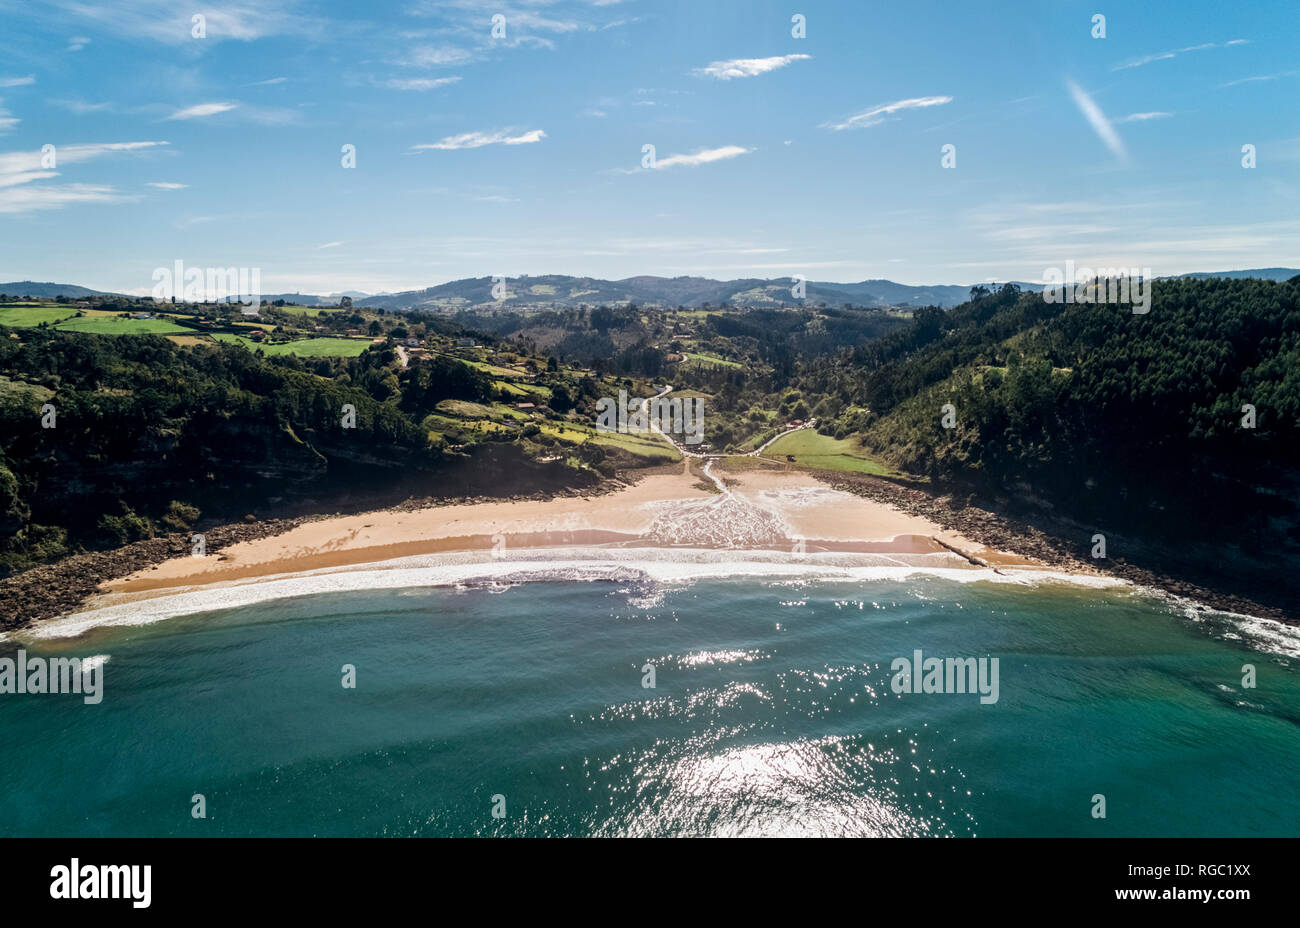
column 475, row 570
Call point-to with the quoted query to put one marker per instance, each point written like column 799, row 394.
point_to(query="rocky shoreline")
column 1053, row 546
column 57, row 589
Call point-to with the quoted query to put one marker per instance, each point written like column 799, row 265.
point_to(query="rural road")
column 654, row 427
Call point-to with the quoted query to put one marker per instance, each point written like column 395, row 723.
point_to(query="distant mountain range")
column 48, row 291
column 695, row 292
column 561, row 290
column 1263, row 273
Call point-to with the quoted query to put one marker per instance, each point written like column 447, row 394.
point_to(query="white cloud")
column 1143, row 117
column 427, row 56
column 202, row 109
column 169, row 21
column 330, row 245
column 29, row 199
column 268, row 82
column 25, row 177
column 81, row 107
column 703, row 156
column 876, row 115
column 418, row 83
column 17, row 81
column 480, row 139
column 15, row 162
column 1259, row 78
column 166, row 185
column 1165, row 56
column 746, row 67
column 1097, row 119
column 20, row 169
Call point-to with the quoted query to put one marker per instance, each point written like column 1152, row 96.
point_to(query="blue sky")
column 480, row 155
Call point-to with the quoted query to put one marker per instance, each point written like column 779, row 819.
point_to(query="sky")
column 501, row 139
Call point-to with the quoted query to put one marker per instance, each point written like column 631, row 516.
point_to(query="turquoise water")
column 772, row 714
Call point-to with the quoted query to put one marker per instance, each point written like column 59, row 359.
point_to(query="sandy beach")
column 694, row 507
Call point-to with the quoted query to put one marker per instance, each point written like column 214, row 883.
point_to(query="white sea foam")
column 94, row 662
column 652, row 566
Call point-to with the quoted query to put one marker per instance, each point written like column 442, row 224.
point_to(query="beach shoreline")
column 757, row 509
column 746, row 510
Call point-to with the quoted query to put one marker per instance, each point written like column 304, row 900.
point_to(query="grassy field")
column 812, row 449
column 296, row 310
column 699, row 358
column 465, row 409
column 306, row 348
column 116, row 325
column 26, row 315
column 644, row 446
column 485, row 367
column 19, row 392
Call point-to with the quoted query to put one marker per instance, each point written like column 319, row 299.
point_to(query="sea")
column 766, row 701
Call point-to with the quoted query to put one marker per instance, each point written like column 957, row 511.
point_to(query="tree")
column 561, row 401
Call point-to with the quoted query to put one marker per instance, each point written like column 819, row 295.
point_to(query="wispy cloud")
column 19, row 171
column 746, row 67
column 30, row 199
column 1165, row 56
column 437, row 56
column 876, row 115
column 81, row 107
column 1143, row 117
column 703, row 156
column 1259, row 78
column 330, row 245
column 202, row 109
column 166, row 185
column 417, row 83
column 7, row 119
column 268, row 82
column 171, row 22
column 480, row 139
column 1097, row 119
column 17, row 81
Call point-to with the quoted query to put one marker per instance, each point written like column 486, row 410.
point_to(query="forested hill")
column 1129, row 421
column 1063, row 393
column 108, row 439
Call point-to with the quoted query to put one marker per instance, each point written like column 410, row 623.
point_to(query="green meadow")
column 26, row 315
column 822, row 452
column 116, row 325
column 306, row 348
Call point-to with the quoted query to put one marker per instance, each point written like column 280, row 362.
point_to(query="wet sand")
column 758, row 509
